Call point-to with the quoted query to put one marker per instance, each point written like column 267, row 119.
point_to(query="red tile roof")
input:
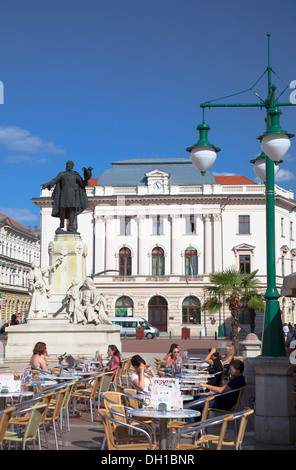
column 233, row 179
column 93, row 182
column 16, row 224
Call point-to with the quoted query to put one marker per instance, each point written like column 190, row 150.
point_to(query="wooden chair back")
column 242, row 428
column 5, row 418
column 129, row 401
column 114, row 397
column 223, row 431
column 58, row 406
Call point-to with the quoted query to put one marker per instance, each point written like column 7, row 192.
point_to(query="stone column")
column 142, row 255
column 217, row 243
column 99, row 258
column 175, row 248
column 109, row 248
column 208, row 243
column 275, row 416
column 251, row 348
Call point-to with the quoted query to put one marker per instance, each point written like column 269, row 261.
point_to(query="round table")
column 163, row 417
column 4, row 395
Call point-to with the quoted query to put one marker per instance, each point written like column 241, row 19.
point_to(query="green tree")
column 232, row 286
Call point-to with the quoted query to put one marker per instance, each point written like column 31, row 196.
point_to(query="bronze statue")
column 69, row 195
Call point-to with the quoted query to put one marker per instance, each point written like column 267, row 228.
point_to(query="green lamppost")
column 275, row 142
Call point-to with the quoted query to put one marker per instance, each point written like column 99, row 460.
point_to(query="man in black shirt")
column 223, row 402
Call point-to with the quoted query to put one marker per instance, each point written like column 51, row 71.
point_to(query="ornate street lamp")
column 260, row 166
column 203, row 154
column 275, row 142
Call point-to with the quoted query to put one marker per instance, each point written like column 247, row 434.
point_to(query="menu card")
column 165, row 393
column 10, row 385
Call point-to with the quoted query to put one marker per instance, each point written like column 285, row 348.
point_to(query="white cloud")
column 284, row 175
column 19, row 215
column 26, row 159
column 21, row 140
column 224, row 174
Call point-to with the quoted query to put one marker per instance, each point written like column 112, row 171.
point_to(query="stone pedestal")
column 251, row 348
column 60, row 337
column 275, row 417
column 55, row 329
column 74, row 250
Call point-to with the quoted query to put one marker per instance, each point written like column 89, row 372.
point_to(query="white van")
column 130, row 324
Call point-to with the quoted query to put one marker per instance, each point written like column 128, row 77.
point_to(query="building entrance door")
column 157, row 312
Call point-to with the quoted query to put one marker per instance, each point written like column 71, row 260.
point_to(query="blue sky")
column 97, row 81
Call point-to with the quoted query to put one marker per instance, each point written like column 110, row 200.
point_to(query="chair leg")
column 55, row 435
column 45, row 434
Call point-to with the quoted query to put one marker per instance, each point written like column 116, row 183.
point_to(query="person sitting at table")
column 173, row 358
column 169, row 354
column 140, row 379
column 228, row 358
column 215, row 366
column 114, row 361
column 223, row 402
column 40, row 356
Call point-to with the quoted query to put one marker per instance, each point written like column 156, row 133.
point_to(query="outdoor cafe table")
column 163, row 417
column 141, row 396
column 13, row 395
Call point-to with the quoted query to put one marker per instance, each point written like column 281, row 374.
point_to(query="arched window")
column 157, row 262
column 190, row 262
column 124, row 307
column 191, row 310
column 125, row 262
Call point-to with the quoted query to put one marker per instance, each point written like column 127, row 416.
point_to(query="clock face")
column 157, row 185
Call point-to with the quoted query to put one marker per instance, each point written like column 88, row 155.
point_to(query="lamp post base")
column 275, row 417
column 273, row 343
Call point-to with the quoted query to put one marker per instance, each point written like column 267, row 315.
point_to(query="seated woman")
column 228, row 358
column 40, row 356
column 173, row 359
column 169, row 354
column 140, row 379
column 216, row 367
column 114, row 355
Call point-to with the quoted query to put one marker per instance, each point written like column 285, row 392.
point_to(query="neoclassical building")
column 19, row 246
column 159, row 228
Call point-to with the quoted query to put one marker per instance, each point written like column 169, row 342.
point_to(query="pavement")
column 85, row 435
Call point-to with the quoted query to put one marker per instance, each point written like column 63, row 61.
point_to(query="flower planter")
column 140, row 333
column 185, row 333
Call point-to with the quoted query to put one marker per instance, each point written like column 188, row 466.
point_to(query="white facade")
column 19, row 246
column 164, row 214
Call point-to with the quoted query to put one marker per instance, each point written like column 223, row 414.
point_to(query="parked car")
column 130, row 324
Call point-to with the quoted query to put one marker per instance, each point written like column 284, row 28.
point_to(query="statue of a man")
column 69, row 195
column 39, row 289
column 74, row 311
column 93, row 304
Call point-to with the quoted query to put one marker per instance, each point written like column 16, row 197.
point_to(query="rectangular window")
column 243, row 224
column 157, row 225
column 291, row 231
column 245, row 264
column 125, row 225
column 190, row 224
column 282, row 227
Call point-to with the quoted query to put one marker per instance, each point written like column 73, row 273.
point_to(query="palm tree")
column 232, row 285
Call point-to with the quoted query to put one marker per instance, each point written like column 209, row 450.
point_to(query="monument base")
column 60, row 337
column 275, row 417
